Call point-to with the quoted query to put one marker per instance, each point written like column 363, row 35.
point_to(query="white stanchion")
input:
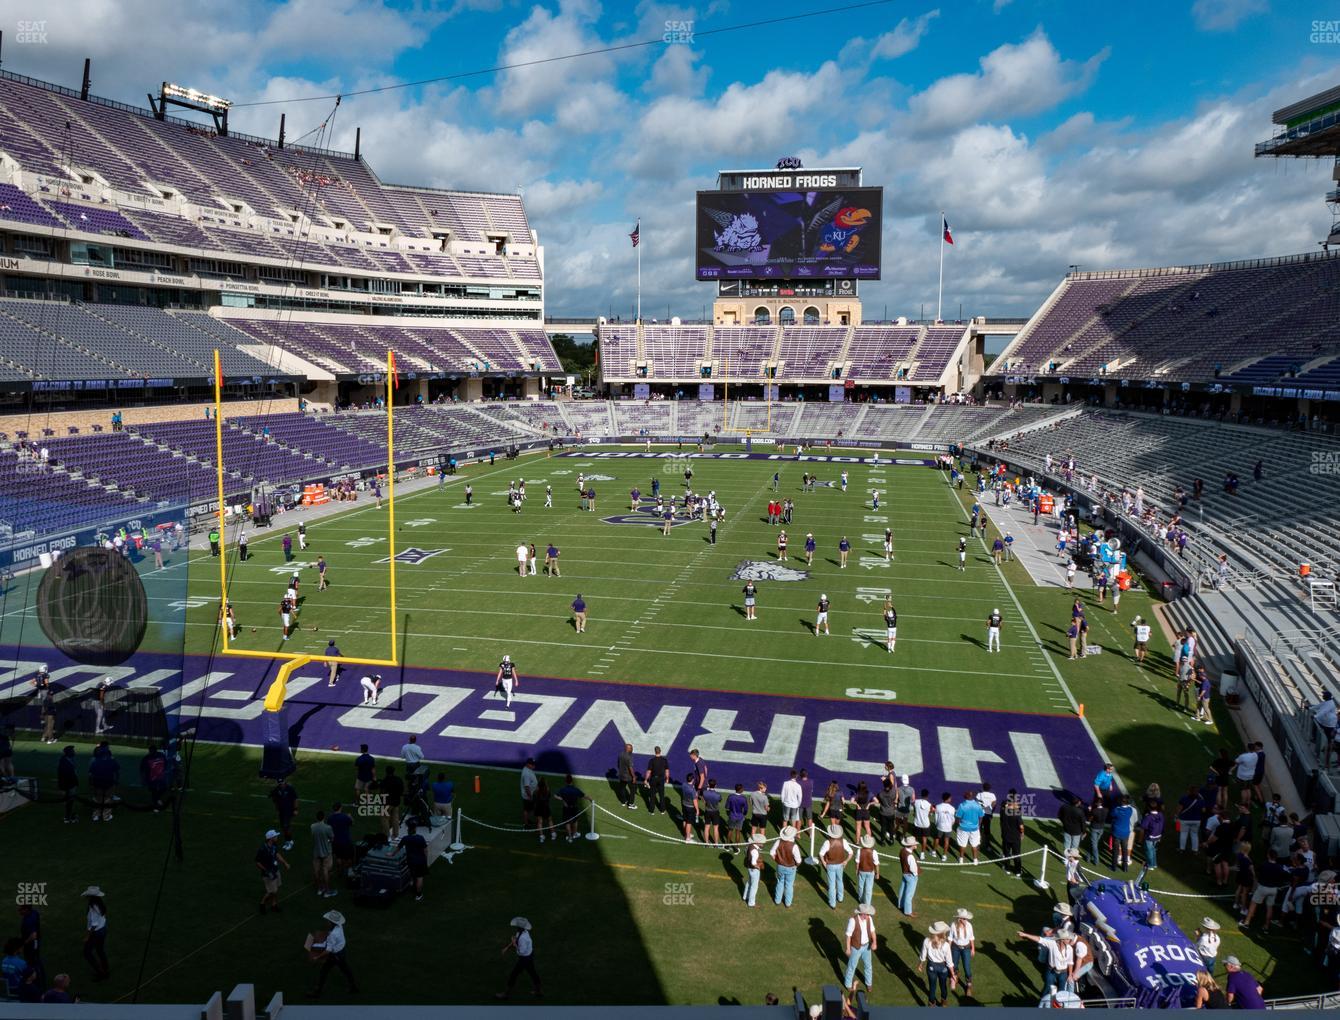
column 1041, row 881
column 456, row 843
column 811, row 860
column 593, row 835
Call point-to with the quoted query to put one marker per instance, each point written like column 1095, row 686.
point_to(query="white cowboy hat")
column 333, row 916
column 521, row 922
column 789, row 833
column 938, row 928
column 867, row 841
column 909, row 841
column 866, row 908
column 835, row 832
column 1063, row 909
column 1209, row 924
column 272, row 834
column 1073, row 852
column 93, row 890
column 758, row 837
column 963, row 913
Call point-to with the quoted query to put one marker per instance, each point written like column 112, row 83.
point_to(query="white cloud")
column 905, row 37
column 1014, row 80
column 745, row 120
column 1225, row 15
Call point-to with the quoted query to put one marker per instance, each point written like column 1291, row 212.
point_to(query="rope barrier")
column 527, row 830
column 1156, row 892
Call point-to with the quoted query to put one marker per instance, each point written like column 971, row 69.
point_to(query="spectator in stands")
column 1325, row 715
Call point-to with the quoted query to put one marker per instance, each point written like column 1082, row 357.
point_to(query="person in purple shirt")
column 1243, row 990
column 699, row 770
column 844, row 547
column 287, row 543
column 737, row 806
column 1151, row 826
column 579, row 613
column 806, row 798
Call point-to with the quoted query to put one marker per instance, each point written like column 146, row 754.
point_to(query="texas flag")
column 949, row 238
column 636, row 235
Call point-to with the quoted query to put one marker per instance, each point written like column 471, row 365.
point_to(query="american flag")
column 636, row 235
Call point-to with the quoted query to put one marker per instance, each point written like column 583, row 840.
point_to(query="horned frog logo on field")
column 767, row 570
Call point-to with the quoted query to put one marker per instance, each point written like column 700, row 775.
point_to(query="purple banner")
column 580, row 726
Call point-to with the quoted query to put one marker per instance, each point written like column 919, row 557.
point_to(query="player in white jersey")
column 548, row 497
column 821, row 621
column 888, row 544
column 372, row 688
column 890, row 625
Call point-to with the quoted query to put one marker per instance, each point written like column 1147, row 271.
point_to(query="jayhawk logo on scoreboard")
column 844, row 233
column 767, row 570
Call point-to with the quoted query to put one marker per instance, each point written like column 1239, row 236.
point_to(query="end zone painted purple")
column 580, row 726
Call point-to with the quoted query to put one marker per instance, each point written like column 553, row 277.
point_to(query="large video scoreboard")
column 795, row 225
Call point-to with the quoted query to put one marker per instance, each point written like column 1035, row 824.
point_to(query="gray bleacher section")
column 1253, row 322
column 1262, row 613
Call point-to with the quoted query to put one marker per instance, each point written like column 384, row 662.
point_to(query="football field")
column 668, row 659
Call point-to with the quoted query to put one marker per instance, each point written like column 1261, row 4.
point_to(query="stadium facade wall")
column 62, row 421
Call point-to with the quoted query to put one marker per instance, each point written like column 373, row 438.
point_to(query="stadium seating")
column 1252, row 322
column 871, row 354
column 130, row 159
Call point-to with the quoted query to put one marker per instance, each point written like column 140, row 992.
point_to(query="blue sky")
column 1051, row 132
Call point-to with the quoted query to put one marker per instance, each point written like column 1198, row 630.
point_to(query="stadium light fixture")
column 190, row 95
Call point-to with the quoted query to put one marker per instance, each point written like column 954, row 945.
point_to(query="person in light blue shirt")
column 1104, row 784
column 968, row 815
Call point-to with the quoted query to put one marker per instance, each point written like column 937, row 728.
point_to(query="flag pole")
column 939, row 301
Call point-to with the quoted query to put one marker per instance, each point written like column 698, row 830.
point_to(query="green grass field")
column 610, row 924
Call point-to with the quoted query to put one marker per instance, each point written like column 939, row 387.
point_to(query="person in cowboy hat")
column 1059, row 950
column 1072, row 869
column 861, row 943
column 753, row 867
column 937, row 962
column 95, row 933
column 963, row 945
column 907, row 888
column 331, row 951
column 524, row 947
column 1207, row 942
column 834, row 855
column 786, row 858
column 867, row 869
column 268, row 860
